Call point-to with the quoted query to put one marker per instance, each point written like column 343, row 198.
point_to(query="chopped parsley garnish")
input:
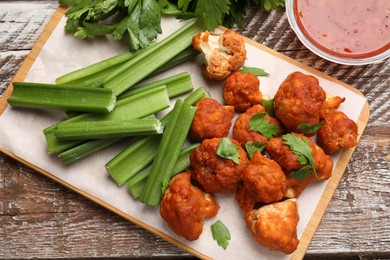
column 252, row 147
column 259, row 123
column 301, row 147
column 221, row 234
column 228, row 150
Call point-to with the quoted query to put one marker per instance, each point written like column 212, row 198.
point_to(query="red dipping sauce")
column 346, row 28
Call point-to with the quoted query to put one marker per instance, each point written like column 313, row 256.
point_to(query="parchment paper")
column 21, row 134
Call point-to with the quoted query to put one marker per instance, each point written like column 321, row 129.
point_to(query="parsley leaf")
column 300, row 147
column 268, row 104
column 252, row 147
column 309, row 128
column 221, row 234
column 259, row 123
column 302, row 173
column 228, row 150
column 138, row 20
column 255, row 71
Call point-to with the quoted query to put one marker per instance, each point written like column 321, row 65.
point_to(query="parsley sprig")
column 226, row 149
column 259, row 123
column 220, row 233
column 301, row 147
column 139, row 21
column 310, row 128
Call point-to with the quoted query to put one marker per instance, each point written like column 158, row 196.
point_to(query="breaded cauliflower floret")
column 288, row 160
column 224, row 53
column 241, row 129
column 211, row 120
column 214, row 173
column 264, row 179
column 244, row 199
column 241, row 90
column 184, row 207
column 338, row 132
column 331, row 103
column 274, row 226
column 298, row 101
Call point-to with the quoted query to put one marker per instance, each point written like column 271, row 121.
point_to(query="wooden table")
column 41, row 219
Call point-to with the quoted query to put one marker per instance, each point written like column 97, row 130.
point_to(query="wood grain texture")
column 58, row 223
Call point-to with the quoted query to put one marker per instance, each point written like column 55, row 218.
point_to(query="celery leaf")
column 212, row 12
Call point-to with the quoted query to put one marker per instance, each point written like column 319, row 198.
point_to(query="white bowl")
column 326, row 53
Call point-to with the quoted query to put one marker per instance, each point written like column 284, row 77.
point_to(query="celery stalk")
column 183, row 56
column 151, row 59
column 176, row 85
column 171, row 144
column 80, row 151
column 91, row 72
column 83, row 99
column 133, row 159
column 108, row 129
column 141, row 152
column 137, row 183
column 132, row 107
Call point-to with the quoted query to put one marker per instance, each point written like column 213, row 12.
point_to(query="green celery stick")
column 108, row 129
column 95, row 71
column 133, row 158
column 183, row 56
column 142, row 151
column 132, row 107
column 151, row 59
column 137, row 183
column 81, row 151
column 83, row 99
column 176, row 85
column 171, row 144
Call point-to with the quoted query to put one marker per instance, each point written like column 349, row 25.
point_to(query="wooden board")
column 332, row 184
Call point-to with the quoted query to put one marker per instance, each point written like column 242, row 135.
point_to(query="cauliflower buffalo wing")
column 224, row 53
column 241, row 90
column 241, row 129
column 288, row 160
column 215, row 173
column 274, row 226
column 184, row 207
column 264, row 179
column 211, row 120
column 298, row 101
column 330, row 104
column 337, row 133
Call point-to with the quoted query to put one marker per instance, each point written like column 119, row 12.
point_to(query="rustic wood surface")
column 41, row 219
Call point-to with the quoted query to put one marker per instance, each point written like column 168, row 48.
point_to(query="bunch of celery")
column 103, row 108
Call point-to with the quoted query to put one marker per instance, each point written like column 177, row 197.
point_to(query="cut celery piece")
column 183, row 56
column 176, row 85
column 133, row 159
column 83, row 150
column 94, row 72
column 108, row 129
column 136, row 184
column 142, row 151
column 171, row 144
column 151, row 59
column 51, row 96
column 132, row 107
